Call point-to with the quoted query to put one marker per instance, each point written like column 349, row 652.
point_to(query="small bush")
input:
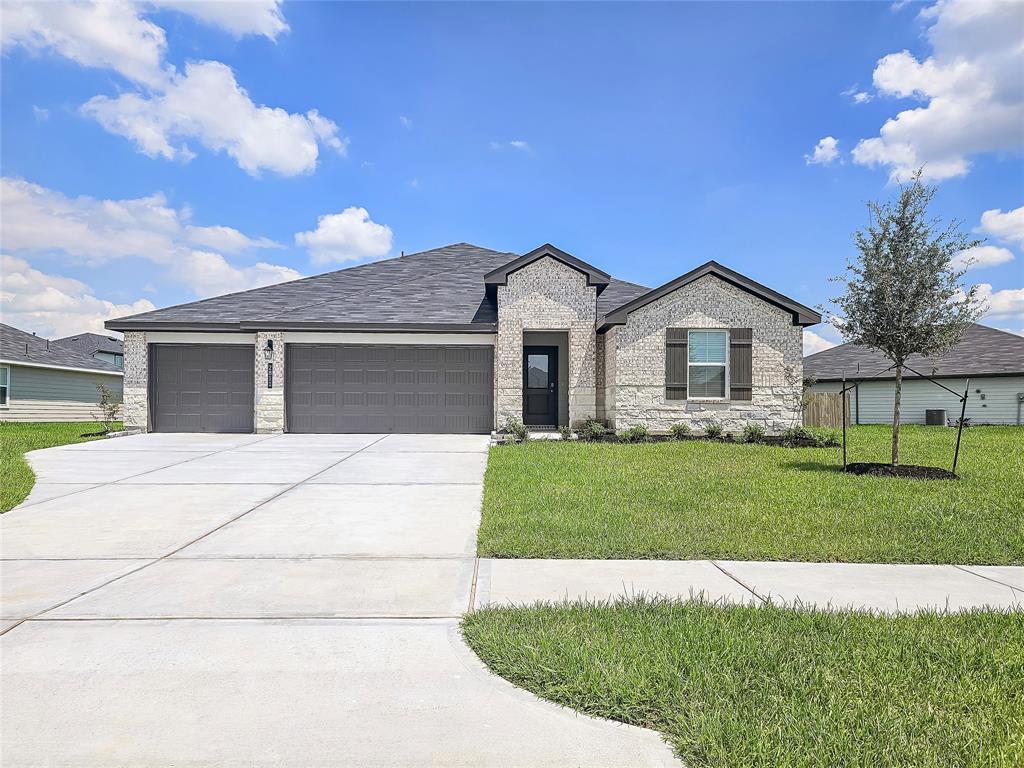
column 824, row 437
column 680, row 431
column 565, row 431
column 591, row 430
column 637, row 434
column 752, row 433
column 109, row 407
column 516, row 431
column 713, row 430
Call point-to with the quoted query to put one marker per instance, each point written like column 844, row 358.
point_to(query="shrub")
column 637, row 434
column 713, row 430
column 752, row 433
column 824, row 437
column 680, row 431
column 516, row 431
column 565, row 431
column 109, row 407
column 819, row 438
column 591, row 430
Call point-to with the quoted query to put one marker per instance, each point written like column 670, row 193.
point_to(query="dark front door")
column 540, row 386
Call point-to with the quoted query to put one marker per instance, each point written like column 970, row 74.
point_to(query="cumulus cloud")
column 825, row 152
column 55, row 306
column 815, row 343
column 970, row 88
column 92, row 231
column 347, row 236
column 982, row 256
column 1008, row 302
column 207, row 104
column 1007, row 226
column 237, row 17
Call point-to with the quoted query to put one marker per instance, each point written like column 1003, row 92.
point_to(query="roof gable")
column 802, row 315
column 594, row 275
column 20, row 348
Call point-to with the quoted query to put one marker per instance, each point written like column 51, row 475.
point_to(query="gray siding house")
column 992, row 361
column 41, row 380
column 462, row 339
column 106, row 348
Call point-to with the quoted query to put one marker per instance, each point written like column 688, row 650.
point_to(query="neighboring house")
column 993, row 360
column 461, row 339
column 41, row 380
column 105, row 348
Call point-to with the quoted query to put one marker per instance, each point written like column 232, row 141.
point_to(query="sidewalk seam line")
column 739, row 581
column 967, row 569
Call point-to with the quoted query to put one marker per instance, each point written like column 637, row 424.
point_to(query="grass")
column 17, row 438
column 696, row 500
column 765, row 686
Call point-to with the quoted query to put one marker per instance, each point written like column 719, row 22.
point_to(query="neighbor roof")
column 440, row 289
column 982, row 351
column 90, row 343
column 20, row 348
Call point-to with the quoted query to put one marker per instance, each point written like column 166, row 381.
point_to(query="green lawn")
column 18, row 438
column 764, row 686
column 694, row 500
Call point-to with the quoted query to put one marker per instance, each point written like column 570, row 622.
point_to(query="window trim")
column 7, row 386
column 691, row 365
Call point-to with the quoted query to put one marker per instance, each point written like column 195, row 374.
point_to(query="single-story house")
column 41, row 380
column 109, row 349
column 462, row 339
column 992, row 361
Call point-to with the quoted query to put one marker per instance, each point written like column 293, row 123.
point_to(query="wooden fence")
column 822, row 409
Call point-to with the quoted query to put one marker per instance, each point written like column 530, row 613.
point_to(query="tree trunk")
column 896, row 417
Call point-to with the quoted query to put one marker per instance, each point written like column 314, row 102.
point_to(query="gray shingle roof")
column 17, row 346
column 440, row 288
column 90, row 343
column 983, row 351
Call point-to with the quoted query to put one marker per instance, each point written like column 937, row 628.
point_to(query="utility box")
column 935, row 417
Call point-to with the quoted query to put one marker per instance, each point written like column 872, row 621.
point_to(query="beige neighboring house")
column 462, row 339
column 42, row 380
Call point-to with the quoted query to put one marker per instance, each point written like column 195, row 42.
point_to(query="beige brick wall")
column 545, row 296
column 135, row 405
column 269, row 401
column 636, row 352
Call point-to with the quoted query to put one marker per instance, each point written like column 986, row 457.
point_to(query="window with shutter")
column 741, row 373
column 675, row 363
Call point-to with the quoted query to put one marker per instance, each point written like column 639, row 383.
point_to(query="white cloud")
column 825, row 152
column 1008, row 226
column 518, row 144
column 237, row 17
column 815, row 343
column 41, row 114
column 405, row 121
column 207, row 104
column 55, row 306
column 856, row 95
column 981, row 256
column 1008, row 302
column 971, row 87
column 38, row 220
column 346, row 236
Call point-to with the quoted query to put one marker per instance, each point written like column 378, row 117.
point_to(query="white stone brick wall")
column 639, row 360
column 135, row 403
column 269, row 401
column 546, row 295
column 610, row 374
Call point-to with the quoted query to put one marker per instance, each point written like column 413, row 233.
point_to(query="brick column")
column 135, row 400
column 269, row 400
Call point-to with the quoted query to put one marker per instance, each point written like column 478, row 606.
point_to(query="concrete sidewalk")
column 832, row 586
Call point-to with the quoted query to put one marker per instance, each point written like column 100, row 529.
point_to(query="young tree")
column 110, row 407
column 903, row 293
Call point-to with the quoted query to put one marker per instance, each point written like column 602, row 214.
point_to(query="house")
column 106, row 348
column 991, row 360
column 41, row 380
column 462, row 339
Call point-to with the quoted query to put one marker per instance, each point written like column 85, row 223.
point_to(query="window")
column 5, row 385
column 707, row 355
column 119, row 360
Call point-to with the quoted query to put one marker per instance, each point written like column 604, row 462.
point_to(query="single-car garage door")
column 201, row 387
column 386, row 388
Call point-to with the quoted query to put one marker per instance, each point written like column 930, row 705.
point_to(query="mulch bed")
column 900, row 470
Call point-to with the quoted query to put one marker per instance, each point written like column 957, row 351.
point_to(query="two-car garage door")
column 389, row 388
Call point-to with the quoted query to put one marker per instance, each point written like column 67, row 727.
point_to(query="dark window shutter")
column 741, row 373
column 675, row 364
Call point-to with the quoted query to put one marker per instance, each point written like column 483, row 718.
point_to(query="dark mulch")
column 900, row 470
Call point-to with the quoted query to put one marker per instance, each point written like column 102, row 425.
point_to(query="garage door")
column 201, row 387
column 382, row 388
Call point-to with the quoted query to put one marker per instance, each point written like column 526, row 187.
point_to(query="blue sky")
column 644, row 138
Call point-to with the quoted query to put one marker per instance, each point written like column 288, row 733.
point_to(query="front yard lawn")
column 703, row 500
column 17, row 438
column 765, row 686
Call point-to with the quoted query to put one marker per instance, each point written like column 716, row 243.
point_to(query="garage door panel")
column 382, row 388
column 202, row 387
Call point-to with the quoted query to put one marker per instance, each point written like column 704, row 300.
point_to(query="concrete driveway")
column 254, row 600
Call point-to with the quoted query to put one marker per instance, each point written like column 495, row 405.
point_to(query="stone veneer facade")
column 135, row 402
column 269, row 401
column 545, row 295
column 635, row 360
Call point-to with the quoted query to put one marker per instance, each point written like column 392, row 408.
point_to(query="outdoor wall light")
column 269, row 349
